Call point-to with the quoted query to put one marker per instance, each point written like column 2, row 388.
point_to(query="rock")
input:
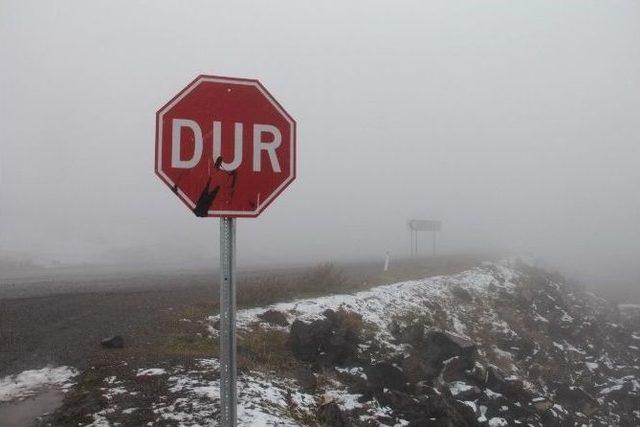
column 432, row 409
column 327, row 342
column 308, row 338
column 442, row 410
column 330, row 415
column 424, row 422
column 541, row 404
column 627, row 396
column 113, row 342
column 453, row 369
column 423, row 387
column 306, row 378
column 401, row 402
column 440, row 346
column 526, row 348
column 477, row 373
column 418, row 369
column 411, row 334
column 513, row 388
column 550, row 418
column 385, row 375
column 274, row 317
column 576, row 398
column 428, row 353
column 462, row 294
column 494, row 378
column 355, row 378
column 466, row 392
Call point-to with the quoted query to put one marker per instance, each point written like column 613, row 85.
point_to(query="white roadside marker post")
column 228, row 390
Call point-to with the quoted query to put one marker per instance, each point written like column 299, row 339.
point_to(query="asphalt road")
column 62, row 320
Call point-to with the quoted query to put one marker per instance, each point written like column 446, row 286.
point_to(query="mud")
column 24, row 412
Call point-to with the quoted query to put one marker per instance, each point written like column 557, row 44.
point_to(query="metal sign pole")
column 434, row 242
column 413, row 242
column 228, row 391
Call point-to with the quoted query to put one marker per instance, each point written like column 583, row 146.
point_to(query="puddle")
column 22, row 413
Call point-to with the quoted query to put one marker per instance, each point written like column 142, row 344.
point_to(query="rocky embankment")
column 503, row 344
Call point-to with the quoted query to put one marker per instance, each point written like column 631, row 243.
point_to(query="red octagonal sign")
column 225, row 147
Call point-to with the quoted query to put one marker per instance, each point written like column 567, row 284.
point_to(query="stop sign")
column 225, row 147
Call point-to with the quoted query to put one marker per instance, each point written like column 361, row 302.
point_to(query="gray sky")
column 515, row 122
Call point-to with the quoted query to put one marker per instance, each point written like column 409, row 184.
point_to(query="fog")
column 513, row 122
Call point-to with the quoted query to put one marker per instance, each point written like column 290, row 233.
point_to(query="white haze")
column 514, row 122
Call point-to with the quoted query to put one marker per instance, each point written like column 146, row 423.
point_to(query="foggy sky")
column 514, row 122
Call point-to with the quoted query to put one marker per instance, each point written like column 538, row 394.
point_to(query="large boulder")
column 308, row 339
column 385, row 375
column 511, row 387
column 440, row 410
column 432, row 352
column 329, row 341
column 438, row 346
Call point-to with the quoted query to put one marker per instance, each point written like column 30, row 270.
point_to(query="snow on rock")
column 151, row 372
column 497, row 422
column 29, row 383
column 379, row 305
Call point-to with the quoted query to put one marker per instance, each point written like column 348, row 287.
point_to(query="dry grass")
column 265, row 349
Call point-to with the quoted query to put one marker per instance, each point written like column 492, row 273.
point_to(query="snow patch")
column 150, row 372
column 28, row 383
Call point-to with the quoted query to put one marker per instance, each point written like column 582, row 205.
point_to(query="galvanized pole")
column 228, row 391
column 434, row 242
column 413, row 243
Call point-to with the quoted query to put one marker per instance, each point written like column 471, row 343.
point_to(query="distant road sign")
column 425, row 225
column 225, row 147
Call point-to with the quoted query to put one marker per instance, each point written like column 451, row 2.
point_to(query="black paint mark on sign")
column 218, row 163
column 205, row 200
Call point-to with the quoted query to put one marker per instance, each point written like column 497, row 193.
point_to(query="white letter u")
column 237, row 147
